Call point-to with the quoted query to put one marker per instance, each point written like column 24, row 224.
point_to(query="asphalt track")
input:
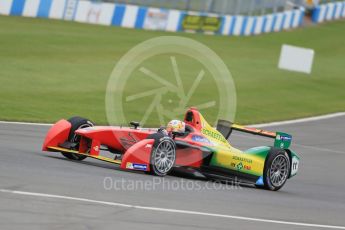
column 316, row 196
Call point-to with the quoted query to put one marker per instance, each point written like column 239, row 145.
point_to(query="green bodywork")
column 252, row 161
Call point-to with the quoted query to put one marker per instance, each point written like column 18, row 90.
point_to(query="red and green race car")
column 201, row 148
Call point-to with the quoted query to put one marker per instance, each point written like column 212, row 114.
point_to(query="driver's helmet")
column 176, row 126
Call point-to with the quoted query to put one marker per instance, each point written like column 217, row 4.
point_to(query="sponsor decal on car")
column 201, row 139
column 135, row 166
column 242, row 159
column 142, row 167
column 96, row 148
column 129, row 165
column 128, row 141
column 284, row 138
column 213, row 134
column 241, row 166
column 294, row 166
column 247, row 167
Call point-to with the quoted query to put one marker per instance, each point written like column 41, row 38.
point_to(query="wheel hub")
column 164, row 157
column 279, row 170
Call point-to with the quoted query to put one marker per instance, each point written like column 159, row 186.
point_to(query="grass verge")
column 54, row 69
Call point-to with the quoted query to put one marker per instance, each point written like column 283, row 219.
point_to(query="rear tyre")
column 163, row 156
column 77, row 123
column 277, row 169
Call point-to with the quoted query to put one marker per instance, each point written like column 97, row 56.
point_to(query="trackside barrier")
column 138, row 17
column 328, row 12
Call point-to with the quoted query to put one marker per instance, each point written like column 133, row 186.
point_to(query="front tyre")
column 163, row 156
column 77, row 123
column 277, row 169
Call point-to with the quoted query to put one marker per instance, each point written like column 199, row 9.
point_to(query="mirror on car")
column 135, row 124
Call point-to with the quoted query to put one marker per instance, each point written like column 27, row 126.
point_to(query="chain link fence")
column 231, row 7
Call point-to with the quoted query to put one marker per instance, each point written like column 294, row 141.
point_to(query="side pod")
column 138, row 156
column 57, row 134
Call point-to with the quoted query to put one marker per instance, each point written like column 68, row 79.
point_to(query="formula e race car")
column 201, row 148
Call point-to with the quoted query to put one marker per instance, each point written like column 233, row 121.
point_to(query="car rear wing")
column 282, row 140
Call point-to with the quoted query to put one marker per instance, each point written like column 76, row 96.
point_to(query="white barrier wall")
column 328, row 12
column 138, row 17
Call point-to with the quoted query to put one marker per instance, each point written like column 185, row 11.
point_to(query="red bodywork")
column 132, row 143
column 57, row 134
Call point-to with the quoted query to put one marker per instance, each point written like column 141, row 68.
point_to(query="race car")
column 200, row 148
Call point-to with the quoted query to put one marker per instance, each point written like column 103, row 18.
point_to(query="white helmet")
column 176, row 126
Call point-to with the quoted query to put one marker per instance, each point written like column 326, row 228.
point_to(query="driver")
column 176, row 126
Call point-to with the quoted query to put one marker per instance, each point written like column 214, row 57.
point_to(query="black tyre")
column 77, row 123
column 163, row 156
column 277, row 169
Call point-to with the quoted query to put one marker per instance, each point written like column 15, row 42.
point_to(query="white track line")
column 24, row 123
column 303, row 120
column 288, row 122
column 170, row 210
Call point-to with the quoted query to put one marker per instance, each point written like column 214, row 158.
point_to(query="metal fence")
column 231, row 7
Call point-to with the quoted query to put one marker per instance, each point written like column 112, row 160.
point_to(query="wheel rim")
column 164, row 157
column 279, row 170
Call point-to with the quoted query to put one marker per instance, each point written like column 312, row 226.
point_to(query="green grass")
column 54, row 69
